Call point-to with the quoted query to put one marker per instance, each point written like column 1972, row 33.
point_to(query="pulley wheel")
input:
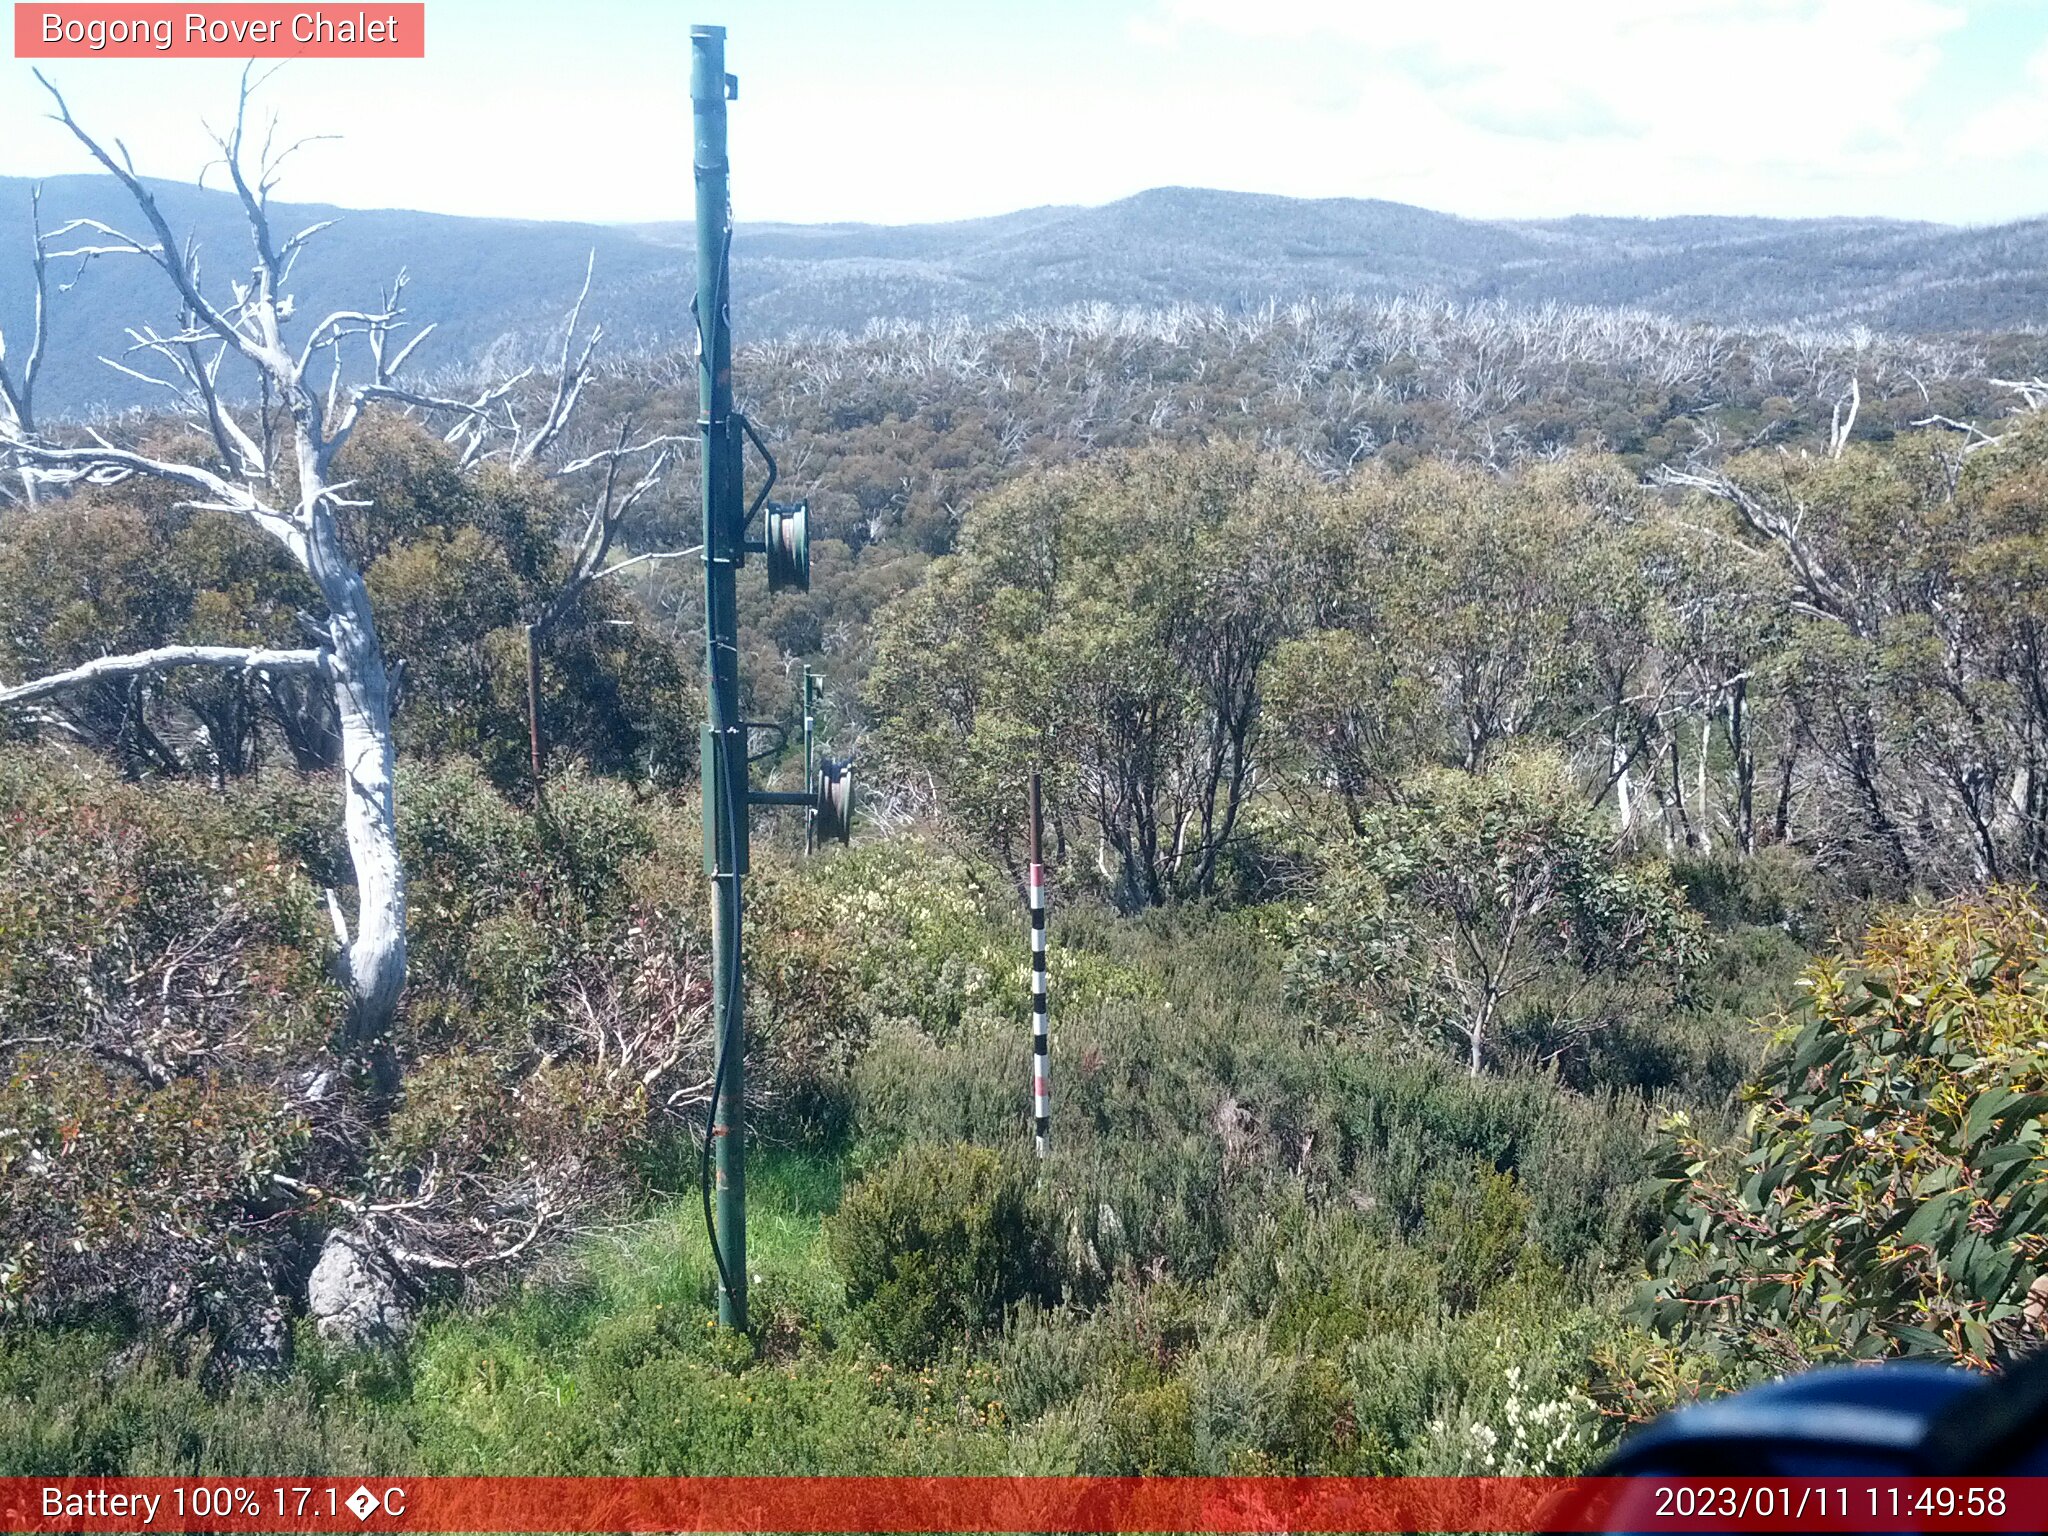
column 788, row 537
column 834, row 793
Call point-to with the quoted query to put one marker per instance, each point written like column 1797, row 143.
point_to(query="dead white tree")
column 18, row 382
column 273, row 467
column 1845, row 418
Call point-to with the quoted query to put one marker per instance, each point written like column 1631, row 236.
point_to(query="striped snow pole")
column 1041, row 1032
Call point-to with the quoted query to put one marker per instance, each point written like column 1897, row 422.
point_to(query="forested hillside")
column 493, row 284
column 1542, row 808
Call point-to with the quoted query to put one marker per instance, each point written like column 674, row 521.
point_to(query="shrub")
column 1889, row 1194
column 88, row 1403
column 164, row 1005
column 181, row 1113
column 556, row 1026
column 1580, row 1160
column 1477, row 902
column 1774, row 887
column 1150, row 1432
column 936, row 1246
column 1496, row 1391
column 1326, row 1276
column 1476, row 1227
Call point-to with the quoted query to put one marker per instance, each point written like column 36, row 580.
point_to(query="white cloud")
column 1710, row 91
column 2014, row 127
column 908, row 112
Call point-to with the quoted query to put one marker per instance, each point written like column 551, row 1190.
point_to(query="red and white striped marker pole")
column 1041, row 1033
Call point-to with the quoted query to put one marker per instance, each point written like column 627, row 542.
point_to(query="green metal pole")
column 725, row 751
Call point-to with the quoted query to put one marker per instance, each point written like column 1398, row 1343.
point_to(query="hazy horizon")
column 641, row 224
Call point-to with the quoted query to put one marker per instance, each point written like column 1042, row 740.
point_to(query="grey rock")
column 354, row 1297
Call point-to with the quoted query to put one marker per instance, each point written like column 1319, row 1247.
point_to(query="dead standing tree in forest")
column 273, row 407
column 488, row 427
column 273, row 466
column 286, row 489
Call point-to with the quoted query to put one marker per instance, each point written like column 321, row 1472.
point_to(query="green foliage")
column 1246, row 1255
column 183, row 1112
column 910, row 927
column 1775, row 888
column 1496, row 1392
column 88, row 1403
column 1347, row 708
column 1473, row 895
column 1113, row 622
column 1578, row 1160
column 1477, row 1228
column 128, row 569
column 936, row 1246
column 1888, row 1194
column 903, row 943
column 457, row 564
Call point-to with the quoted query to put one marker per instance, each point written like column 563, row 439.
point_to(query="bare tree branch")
column 163, row 659
column 1975, row 437
column 651, row 555
column 605, row 514
column 2033, row 392
column 18, row 393
column 569, row 380
column 263, row 352
column 1822, row 591
column 103, row 464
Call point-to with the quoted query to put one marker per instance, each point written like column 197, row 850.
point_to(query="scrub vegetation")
column 1539, row 933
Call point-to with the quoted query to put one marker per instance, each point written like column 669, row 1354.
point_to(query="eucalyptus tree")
column 1116, row 622
column 1908, row 644
column 1473, row 897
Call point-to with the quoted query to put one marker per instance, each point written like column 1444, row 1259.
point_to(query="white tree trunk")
column 374, row 962
column 373, row 956
column 1706, row 820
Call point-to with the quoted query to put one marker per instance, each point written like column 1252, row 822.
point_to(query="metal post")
column 1041, row 1031
column 811, row 815
column 725, row 749
column 533, row 711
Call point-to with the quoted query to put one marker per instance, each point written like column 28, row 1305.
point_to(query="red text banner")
column 992, row 1504
column 233, row 31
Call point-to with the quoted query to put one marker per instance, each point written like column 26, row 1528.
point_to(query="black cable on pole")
column 718, row 1070
column 720, row 1052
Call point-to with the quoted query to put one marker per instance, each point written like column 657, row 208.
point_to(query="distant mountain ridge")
column 497, row 287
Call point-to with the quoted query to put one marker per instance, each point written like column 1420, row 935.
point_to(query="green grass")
column 613, row 1366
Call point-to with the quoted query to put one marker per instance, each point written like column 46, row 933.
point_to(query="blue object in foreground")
column 1843, row 1421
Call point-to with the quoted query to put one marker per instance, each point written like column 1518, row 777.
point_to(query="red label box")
column 1104, row 1506
column 236, row 31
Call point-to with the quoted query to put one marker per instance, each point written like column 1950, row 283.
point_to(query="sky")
column 901, row 111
